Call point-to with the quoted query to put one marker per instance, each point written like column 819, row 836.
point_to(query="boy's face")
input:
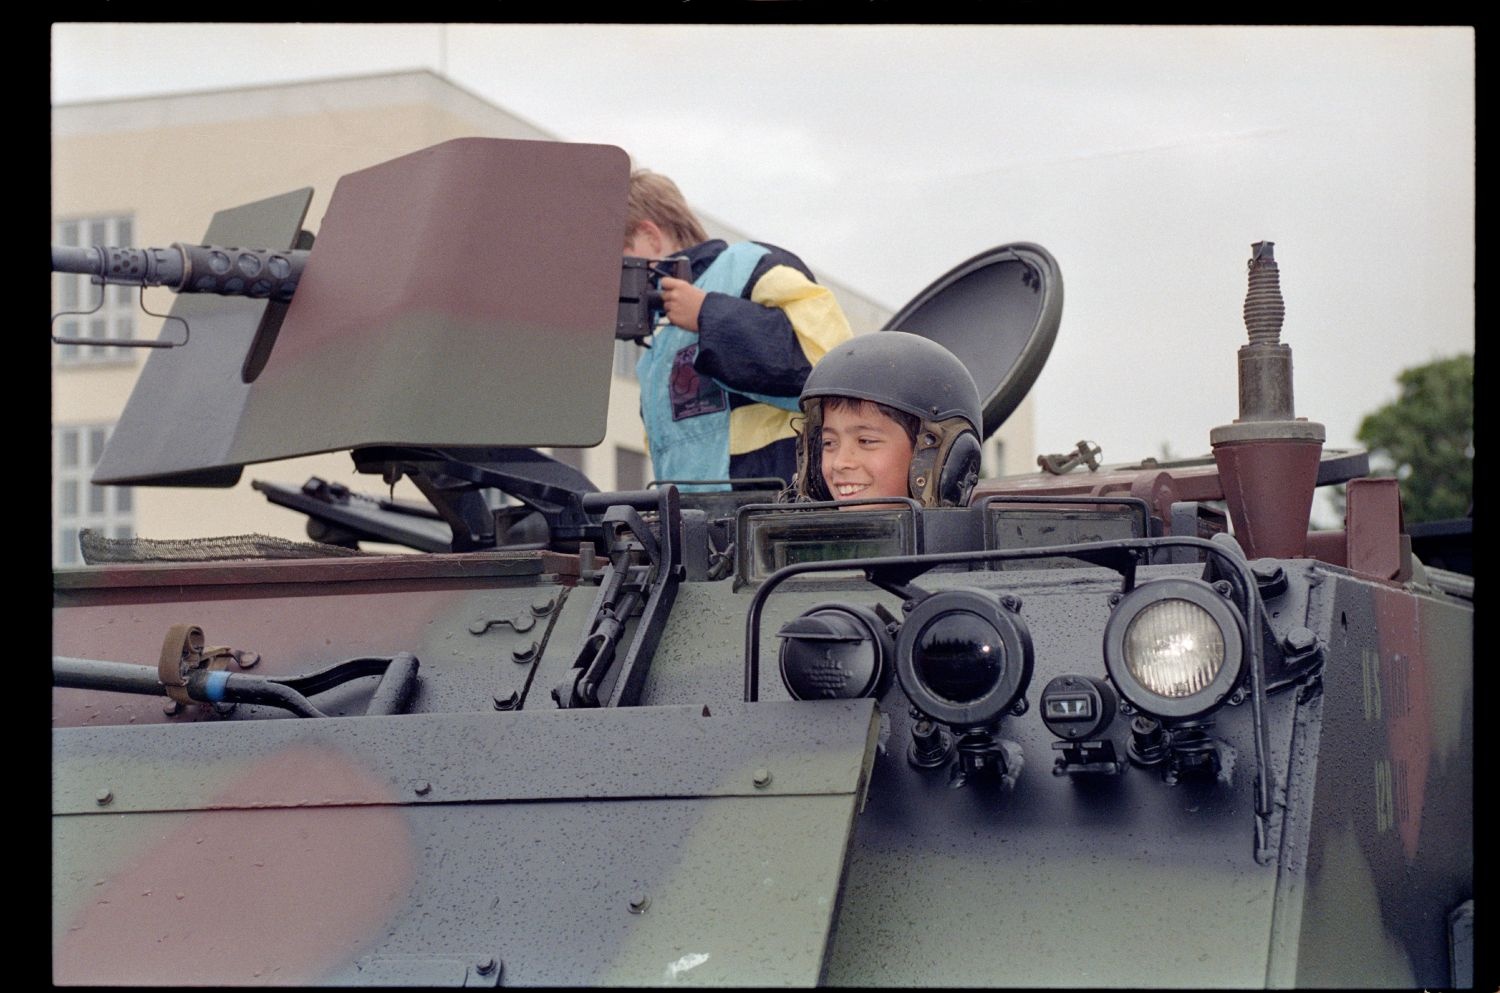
column 865, row 453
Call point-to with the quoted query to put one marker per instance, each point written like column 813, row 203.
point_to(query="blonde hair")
column 655, row 198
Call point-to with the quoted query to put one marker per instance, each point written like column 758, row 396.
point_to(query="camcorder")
column 640, row 293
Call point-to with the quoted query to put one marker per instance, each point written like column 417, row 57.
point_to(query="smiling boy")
column 889, row 414
column 867, row 448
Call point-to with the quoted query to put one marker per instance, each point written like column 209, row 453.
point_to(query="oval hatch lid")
column 998, row 312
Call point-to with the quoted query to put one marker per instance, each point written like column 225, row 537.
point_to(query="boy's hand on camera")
column 682, row 301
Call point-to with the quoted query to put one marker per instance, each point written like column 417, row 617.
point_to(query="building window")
column 76, row 297
column 626, row 355
column 630, row 469
column 994, row 461
column 568, row 456
column 78, row 503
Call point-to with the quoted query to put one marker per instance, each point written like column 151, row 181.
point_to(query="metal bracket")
column 644, row 572
column 120, row 342
column 183, row 654
column 1085, row 452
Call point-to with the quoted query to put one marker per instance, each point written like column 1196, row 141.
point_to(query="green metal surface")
column 637, row 861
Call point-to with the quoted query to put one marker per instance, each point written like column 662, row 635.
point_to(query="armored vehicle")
column 1123, row 725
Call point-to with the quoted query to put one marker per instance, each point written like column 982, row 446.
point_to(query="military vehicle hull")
column 251, row 847
column 649, row 738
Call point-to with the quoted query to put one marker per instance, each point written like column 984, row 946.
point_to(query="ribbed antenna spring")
column 1264, row 308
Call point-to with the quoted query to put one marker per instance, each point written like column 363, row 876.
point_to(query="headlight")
column 963, row 658
column 1174, row 648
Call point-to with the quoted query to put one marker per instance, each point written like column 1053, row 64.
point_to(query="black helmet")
column 908, row 373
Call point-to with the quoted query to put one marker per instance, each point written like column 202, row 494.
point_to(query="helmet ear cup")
column 960, row 471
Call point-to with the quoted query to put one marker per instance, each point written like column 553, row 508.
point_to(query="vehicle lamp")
column 1174, row 648
column 964, row 657
column 1076, row 707
column 836, row 652
column 771, row 538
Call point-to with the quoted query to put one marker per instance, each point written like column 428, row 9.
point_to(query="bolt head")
column 1265, row 571
column 762, row 778
column 103, row 797
column 422, row 789
column 639, row 903
column 1300, row 639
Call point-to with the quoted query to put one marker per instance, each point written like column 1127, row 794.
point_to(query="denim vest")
column 687, row 413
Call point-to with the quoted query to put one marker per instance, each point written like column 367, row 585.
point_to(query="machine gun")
column 253, row 272
column 269, row 274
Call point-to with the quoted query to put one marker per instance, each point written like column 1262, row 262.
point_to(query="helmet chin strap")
column 921, row 478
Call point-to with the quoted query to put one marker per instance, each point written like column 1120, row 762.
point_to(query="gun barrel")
column 250, row 272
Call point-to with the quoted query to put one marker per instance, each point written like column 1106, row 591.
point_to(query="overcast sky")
column 1146, row 160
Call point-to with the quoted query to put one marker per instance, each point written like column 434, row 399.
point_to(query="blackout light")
column 836, row 652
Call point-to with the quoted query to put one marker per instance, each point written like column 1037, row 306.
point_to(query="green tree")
column 1426, row 439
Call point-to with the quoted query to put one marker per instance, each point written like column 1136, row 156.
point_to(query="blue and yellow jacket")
column 720, row 403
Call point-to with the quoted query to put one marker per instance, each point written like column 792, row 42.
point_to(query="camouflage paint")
column 453, row 836
column 229, row 895
column 316, row 614
column 1393, row 800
